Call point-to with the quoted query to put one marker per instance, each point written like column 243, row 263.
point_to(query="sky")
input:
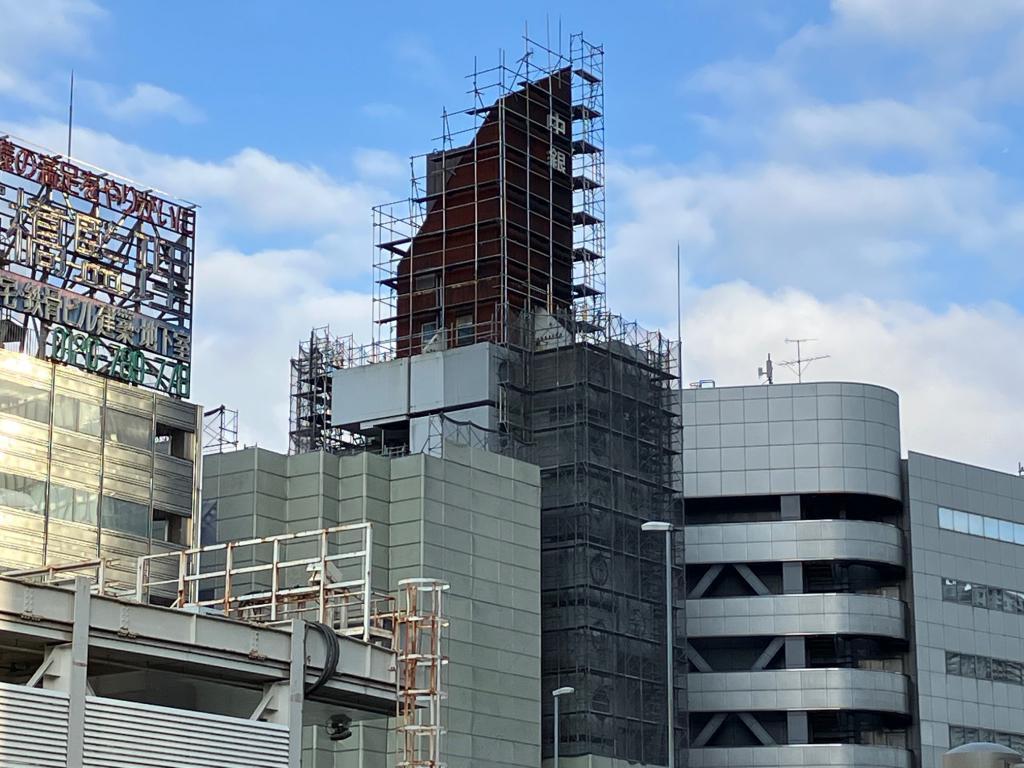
column 846, row 171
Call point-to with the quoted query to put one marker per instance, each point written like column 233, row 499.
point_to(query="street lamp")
column 555, row 694
column 666, row 528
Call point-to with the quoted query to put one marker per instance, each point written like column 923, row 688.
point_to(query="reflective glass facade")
column 91, row 467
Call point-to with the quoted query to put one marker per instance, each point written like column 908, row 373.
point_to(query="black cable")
column 332, row 654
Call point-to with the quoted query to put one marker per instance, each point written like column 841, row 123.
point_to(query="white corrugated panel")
column 122, row 734
column 33, row 728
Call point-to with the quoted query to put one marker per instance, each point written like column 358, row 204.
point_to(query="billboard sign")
column 100, row 270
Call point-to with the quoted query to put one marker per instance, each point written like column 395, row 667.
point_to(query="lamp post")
column 666, row 528
column 555, row 694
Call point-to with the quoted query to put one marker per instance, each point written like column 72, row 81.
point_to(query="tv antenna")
column 801, row 363
column 768, row 372
column 1020, row 469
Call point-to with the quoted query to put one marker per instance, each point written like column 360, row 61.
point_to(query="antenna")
column 801, row 363
column 768, row 372
column 1020, row 469
column 71, row 110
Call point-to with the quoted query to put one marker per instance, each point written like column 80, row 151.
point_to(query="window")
column 993, row 528
column 74, row 505
column 125, row 516
column 27, row 401
column 172, row 441
column 960, row 521
column 464, row 333
column 129, row 429
column 985, row 668
column 170, row 527
column 952, row 663
column 77, row 415
column 1006, row 531
column 949, row 590
column 425, row 282
column 946, row 518
column 427, row 331
column 979, row 598
column 22, row 493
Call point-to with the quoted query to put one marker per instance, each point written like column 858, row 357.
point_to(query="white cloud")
column 877, row 124
column 252, row 311
column 916, row 21
column 254, row 304
column 828, row 230
column 380, row 164
column 143, row 101
column 33, row 29
column 952, row 368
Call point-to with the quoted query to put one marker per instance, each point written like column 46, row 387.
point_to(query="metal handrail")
column 347, row 604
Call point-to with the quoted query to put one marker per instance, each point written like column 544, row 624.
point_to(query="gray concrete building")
column 844, row 606
column 471, row 519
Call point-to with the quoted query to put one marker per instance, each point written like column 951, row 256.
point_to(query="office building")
column 845, row 606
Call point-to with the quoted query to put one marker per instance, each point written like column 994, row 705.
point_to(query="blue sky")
column 845, row 170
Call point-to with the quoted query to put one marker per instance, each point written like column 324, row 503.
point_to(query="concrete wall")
column 472, row 519
column 941, row 626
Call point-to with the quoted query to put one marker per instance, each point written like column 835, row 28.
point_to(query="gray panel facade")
column 968, row 603
column 797, row 617
column 472, row 519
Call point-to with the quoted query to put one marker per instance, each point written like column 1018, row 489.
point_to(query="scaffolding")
column 310, row 427
column 220, row 430
column 419, row 628
column 507, row 214
column 605, row 426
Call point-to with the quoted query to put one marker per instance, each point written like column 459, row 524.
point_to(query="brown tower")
column 498, row 221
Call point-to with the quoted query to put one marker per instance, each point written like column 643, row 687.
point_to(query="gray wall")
column 472, row 519
column 942, row 626
column 791, row 438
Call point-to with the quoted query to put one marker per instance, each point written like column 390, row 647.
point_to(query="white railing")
column 322, row 575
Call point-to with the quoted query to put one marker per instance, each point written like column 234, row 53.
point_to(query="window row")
column 32, row 402
column 981, row 525
column 983, row 596
column 985, row 668
column 76, row 505
column 965, row 734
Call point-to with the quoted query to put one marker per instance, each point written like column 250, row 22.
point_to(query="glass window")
column 427, row 331
column 995, row 599
column 979, row 596
column 125, row 516
column 27, row 401
column 464, row 331
column 78, row 415
column 991, row 528
column 946, row 518
column 1012, row 672
column 75, row 505
column 983, row 667
column 952, row 663
column 967, row 665
column 975, row 525
column 1018, row 533
column 956, row 736
column 129, row 429
column 949, row 590
column 965, row 592
column 24, row 493
column 1013, row 601
column 1006, row 531
column 959, row 521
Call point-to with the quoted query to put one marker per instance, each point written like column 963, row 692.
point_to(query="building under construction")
column 491, row 329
